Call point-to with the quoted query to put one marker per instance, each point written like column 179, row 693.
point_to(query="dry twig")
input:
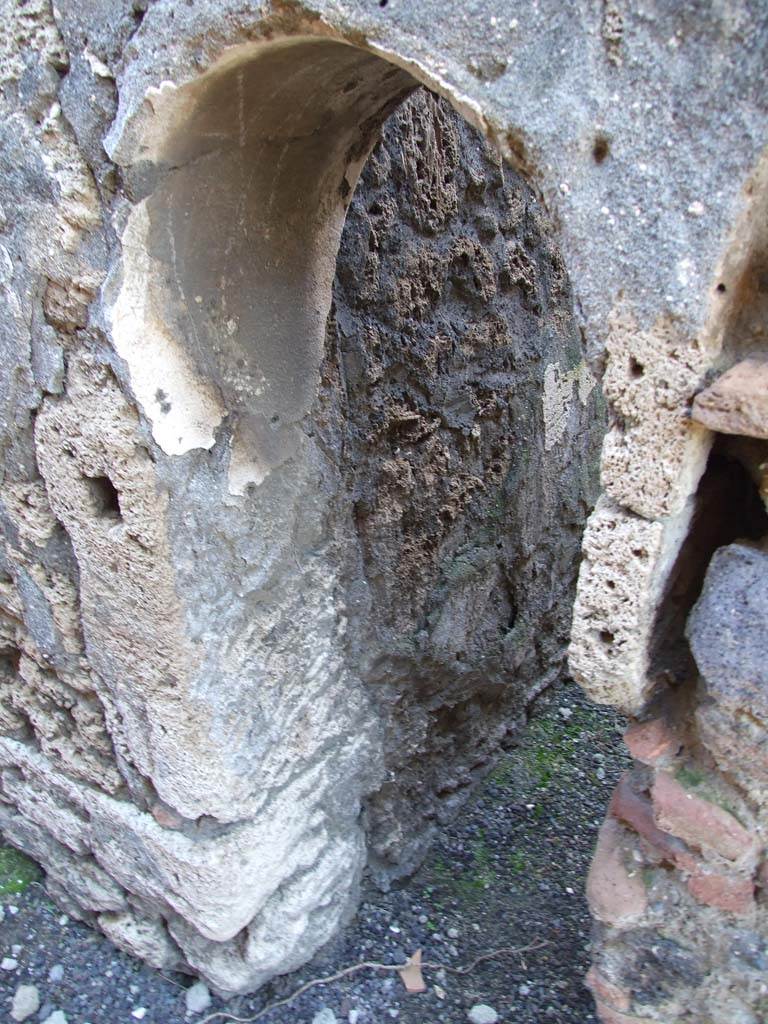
column 372, row 965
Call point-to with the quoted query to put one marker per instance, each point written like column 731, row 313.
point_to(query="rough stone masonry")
column 304, row 308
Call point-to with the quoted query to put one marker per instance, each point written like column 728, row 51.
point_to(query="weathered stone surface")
column 432, row 361
column 685, row 957
column 737, row 402
column 654, row 454
column 287, row 542
column 739, row 744
column 626, row 562
column 727, row 631
column 234, row 695
column 143, row 937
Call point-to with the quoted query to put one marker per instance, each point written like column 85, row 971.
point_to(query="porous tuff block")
column 625, row 564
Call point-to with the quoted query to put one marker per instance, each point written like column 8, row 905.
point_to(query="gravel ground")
column 508, row 873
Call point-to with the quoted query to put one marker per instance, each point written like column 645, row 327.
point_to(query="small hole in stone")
column 600, row 149
column 606, row 636
column 721, row 288
column 610, row 584
column 636, row 368
column 139, row 10
column 383, row 3
column 105, row 497
column 10, row 660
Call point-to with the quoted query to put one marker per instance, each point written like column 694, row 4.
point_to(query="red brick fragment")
column 615, row 896
column 637, row 811
column 166, row 816
column 733, row 893
column 699, row 822
column 653, row 743
column 606, row 1015
column 605, row 991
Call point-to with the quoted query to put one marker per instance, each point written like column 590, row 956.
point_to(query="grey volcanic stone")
column 727, row 629
column 26, row 1001
column 481, row 1013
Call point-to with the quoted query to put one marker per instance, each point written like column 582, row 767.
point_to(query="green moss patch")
column 17, row 872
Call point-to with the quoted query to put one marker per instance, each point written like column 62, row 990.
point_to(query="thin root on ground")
column 372, row 965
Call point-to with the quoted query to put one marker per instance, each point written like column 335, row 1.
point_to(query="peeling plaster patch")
column 183, row 409
column 162, row 105
column 146, row 131
column 556, row 398
column 585, row 382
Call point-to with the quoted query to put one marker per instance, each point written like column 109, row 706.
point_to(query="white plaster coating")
column 203, row 880
column 183, row 408
column 557, row 395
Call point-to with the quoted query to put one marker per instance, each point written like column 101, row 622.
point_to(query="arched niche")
column 218, row 306
column 232, row 254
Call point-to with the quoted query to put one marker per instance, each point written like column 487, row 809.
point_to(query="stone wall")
column 678, row 882
column 677, row 886
column 290, row 516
